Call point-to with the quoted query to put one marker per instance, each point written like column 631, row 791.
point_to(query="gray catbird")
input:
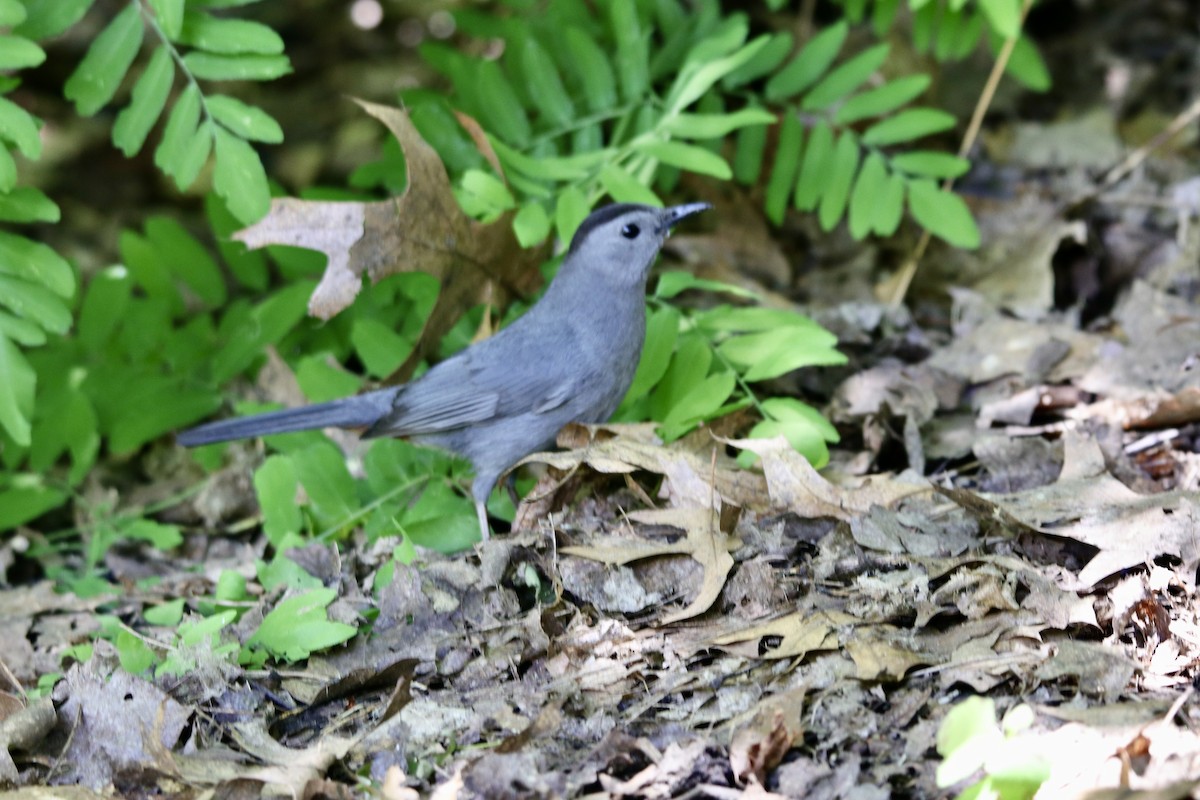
column 570, row 358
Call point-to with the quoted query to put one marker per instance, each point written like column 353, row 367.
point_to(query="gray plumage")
column 570, row 358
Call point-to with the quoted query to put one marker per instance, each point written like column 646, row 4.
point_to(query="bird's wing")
column 472, row 388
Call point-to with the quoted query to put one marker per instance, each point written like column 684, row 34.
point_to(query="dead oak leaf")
column 705, row 543
column 422, row 229
column 794, row 485
column 693, row 478
column 1089, row 505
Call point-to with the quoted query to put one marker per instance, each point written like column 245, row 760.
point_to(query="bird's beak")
column 674, row 214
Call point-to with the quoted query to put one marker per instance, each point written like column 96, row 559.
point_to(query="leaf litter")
column 1012, row 512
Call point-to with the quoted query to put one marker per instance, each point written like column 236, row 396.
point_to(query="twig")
column 894, row 290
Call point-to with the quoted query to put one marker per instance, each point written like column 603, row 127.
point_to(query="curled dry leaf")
column 705, row 543
column 422, row 229
column 1089, row 505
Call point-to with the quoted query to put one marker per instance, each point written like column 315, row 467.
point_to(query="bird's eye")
column 630, row 231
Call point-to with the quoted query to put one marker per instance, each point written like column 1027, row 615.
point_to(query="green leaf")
column 787, row 162
column 229, row 36
column 700, row 73
column 1004, row 16
column 275, row 484
column 188, row 259
column 809, row 64
column 662, row 331
column 845, row 79
column 816, row 167
column 748, row 154
column 570, row 209
column 769, row 354
column 531, row 224
column 27, row 204
column 869, row 192
column 545, row 85
column 299, row 626
column 882, row 99
column 883, row 14
column 245, row 121
column 624, row 188
column 36, row 262
column 168, row 405
column 930, row 164
column 321, row 380
column 841, row 178
column 673, row 282
column 46, row 19
column 800, row 435
column 195, row 155
column 500, row 107
column 942, row 213
column 21, row 331
column 175, row 152
column 28, row 500
column 65, row 422
column 726, row 319
column 169, row 14
column 554, row 168
column 912, row 123
column 11, row 13
column 483, row 195
column 35, row 303
column 689, row 366
column 322, row 471
column 591, row 69
column 380, row 348
column 134, row 655
column 1028, row 67
column 633, row 50
column 764, row 62
column 95, row 80
column 890, row 208
column 245, row 336
column 686, row 156
column 712, row 126
column 165, row 614
column 789, row 409
column 8, row 169
column 18, row 127
column 700, row 403
column 17, row 384
column 104, row 303
column 160, row 536
column 220, row 67
column 149, row 97
column 239, row 178
column 801, row 424
column 17, row 52
column 966, row 737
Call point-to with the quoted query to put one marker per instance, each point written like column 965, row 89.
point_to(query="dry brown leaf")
column 705, row 543
column 799, row 634
column 758, row 746
column 795, row 486
column 693, row 477
column 1091, row 506
column 292, row 769
column 423, row 229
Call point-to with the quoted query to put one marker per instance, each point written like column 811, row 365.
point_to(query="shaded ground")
column 1012, row 511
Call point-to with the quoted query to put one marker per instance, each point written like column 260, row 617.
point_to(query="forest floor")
column 1012, row 513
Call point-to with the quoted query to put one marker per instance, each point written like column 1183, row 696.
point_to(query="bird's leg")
column 510, row 483
column 481, row 512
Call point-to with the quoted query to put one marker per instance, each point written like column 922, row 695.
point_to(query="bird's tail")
column 351, row 412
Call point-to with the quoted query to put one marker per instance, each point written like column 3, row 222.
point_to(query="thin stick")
column 894, row 290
